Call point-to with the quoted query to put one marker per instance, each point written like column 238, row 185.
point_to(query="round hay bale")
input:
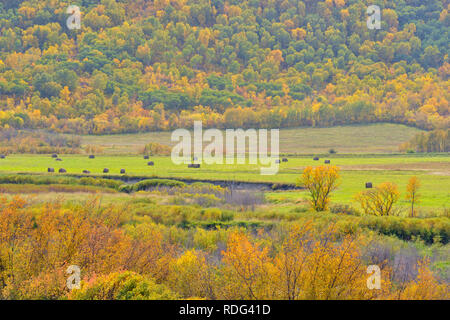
column 316, row 159
column 285, row 160
column 86, row 172
column 146, row 157
column 194, row 165
column 50, row 170
column 106, row 170
column 122, row 171
column 91, row 156
column 327, row 161
column 62, row 170
column 58, row 159
column 151, row 163
column 2, row 156
column 369, row 185
column 277, row 161
column 54, row 155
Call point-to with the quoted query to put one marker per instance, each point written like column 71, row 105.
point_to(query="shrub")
column 122, row 286
column 156, row 149
column 344, row 208
column 244, row 198
column 53, row 180
column 37, row 142
column 155, row 183
column 126, row 188
column 107, row 183
column 380, row 200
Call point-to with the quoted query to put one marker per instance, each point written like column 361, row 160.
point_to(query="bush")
column 432, row 230
column 50, row 180
column 106, row 183
column 37, row 142
column 344, row 208
column 156, row 149
column 156, row 183
column 122, row 286
column 30, row 179
column 126, row 188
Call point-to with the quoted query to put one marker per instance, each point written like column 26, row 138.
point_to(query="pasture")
column 373, row 138
column 204, row 215
column 432, row 170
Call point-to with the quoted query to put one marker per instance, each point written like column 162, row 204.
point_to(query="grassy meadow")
column 200, row 213
column 374, row 138
column 356, row 170
column 365, row 153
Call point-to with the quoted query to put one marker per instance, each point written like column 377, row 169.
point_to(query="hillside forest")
column 138, row 66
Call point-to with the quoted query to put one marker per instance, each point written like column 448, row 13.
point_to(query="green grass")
column 433, row 171
column 374, row 138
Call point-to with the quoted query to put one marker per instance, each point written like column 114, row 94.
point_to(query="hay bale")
column 194, row 165
column 151, row 163
column 285, row 160
column 316, row 159
column 91, row 156
column 369, row 185
column 277, row 161
column 54, row 155
column 86, row 172
column 122, row 171
column 106, row 170
column 58, row 159
column 146, row 157
column 50, row 170
column 62, row 170
column 327, row 161
column 2, row 156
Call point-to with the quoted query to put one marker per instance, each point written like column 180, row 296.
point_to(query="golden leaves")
column 320, row 182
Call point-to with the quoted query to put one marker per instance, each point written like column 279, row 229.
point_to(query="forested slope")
column 156, row 65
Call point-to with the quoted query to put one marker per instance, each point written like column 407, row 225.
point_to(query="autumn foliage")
column 320, row 182
column 123, row 260
column 137, row 66
column 412, row 192
column 380, row 200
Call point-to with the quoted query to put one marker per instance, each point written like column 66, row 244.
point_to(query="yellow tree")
column 320, row 182
column 248, row 271
column 380, row 200
column 412, row 192
column 292, row 262
column 425, row 287
column 191, row 276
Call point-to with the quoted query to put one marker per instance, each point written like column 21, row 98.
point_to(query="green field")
column 366, row 153
column 433, row 171
column 375, row 138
